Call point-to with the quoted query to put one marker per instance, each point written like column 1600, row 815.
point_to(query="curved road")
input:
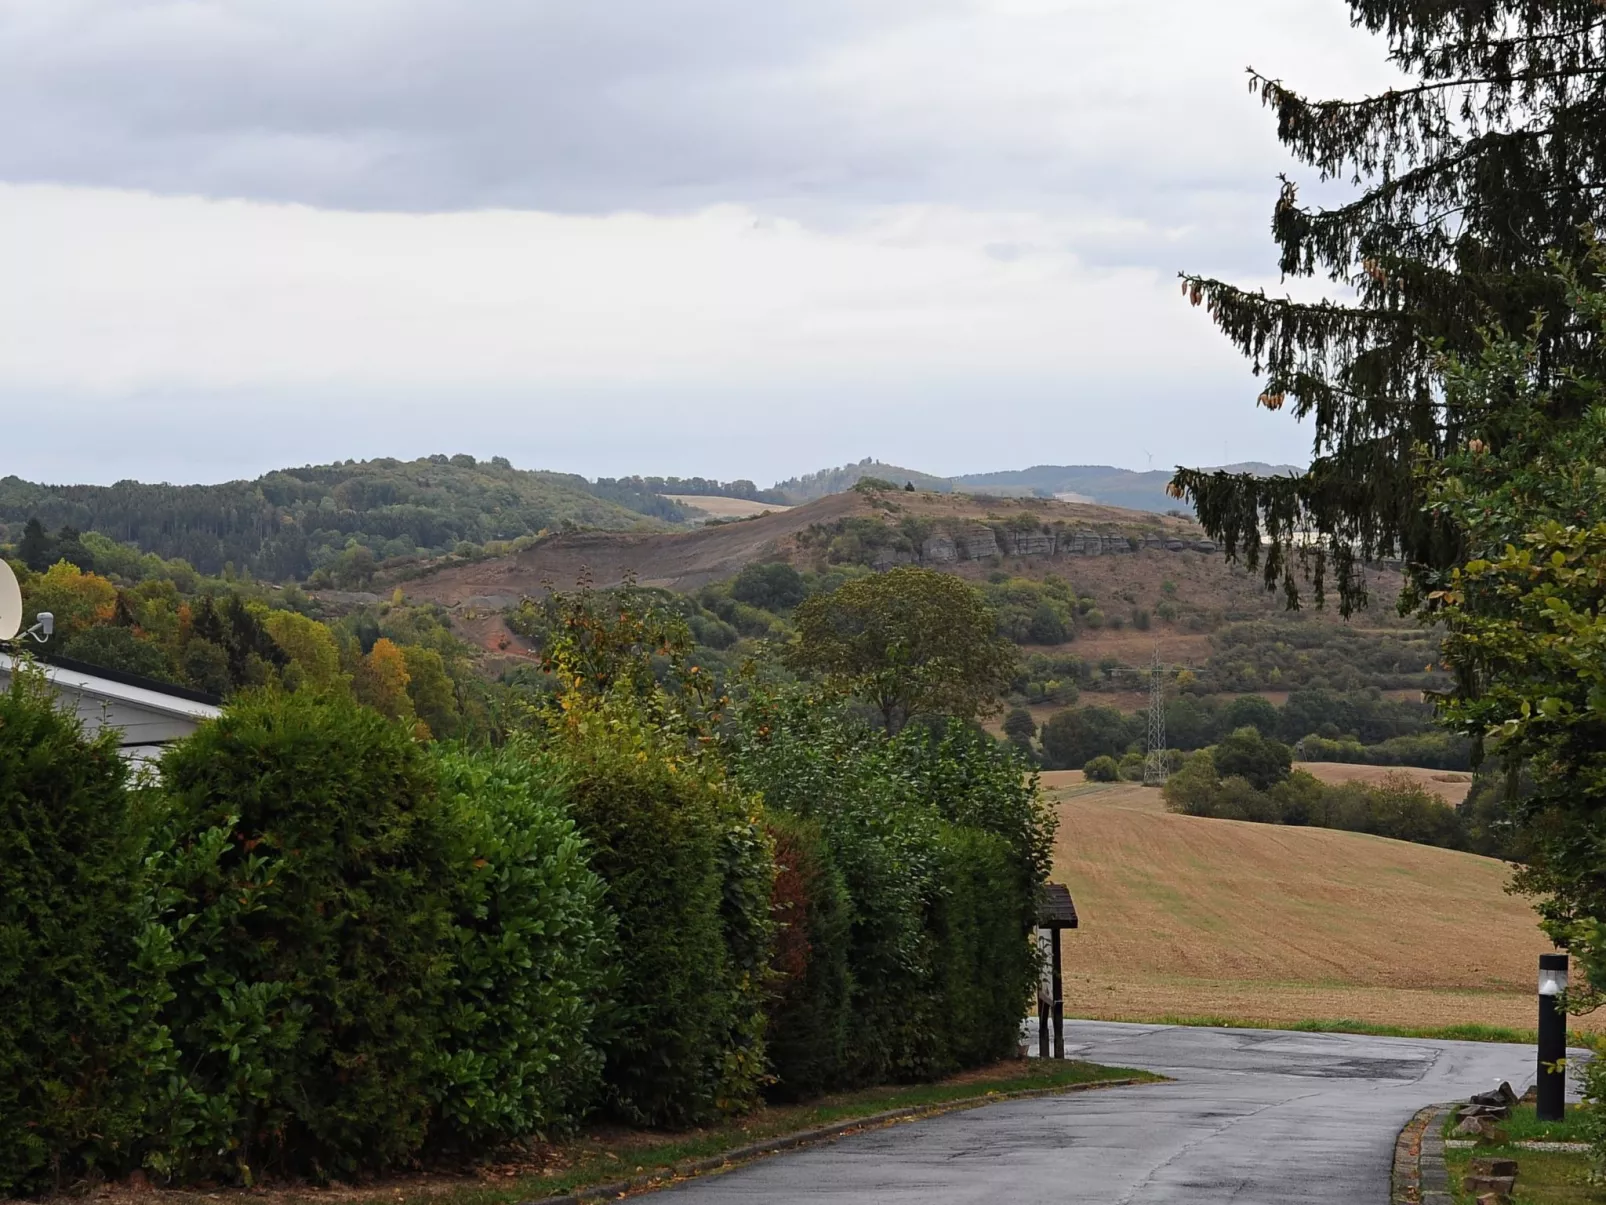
column 1255, row 1117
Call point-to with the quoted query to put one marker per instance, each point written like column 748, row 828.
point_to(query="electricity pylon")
column 1156, row 765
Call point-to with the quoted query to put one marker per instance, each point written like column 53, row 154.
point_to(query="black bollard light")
column 1552, row 1038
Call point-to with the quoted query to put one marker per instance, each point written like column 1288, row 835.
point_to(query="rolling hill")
column 685, row 560
column 1101, row 484
column 283, row 525
column 1189, row 917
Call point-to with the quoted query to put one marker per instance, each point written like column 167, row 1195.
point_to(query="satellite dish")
column 10, row 603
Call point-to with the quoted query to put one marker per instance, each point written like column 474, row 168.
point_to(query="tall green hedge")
column 687, row 869
column 941, row 842
column 983, row 967
column 532, row 948
column 78, row 1044
column 310, row 879
column 811, row 1002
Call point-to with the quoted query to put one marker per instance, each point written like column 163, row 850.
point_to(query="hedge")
column 685, row 866
column 532, row 947
column 78, row 1039
column 810, row 1009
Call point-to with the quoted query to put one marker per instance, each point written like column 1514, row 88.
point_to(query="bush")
column 1102, row 769
column 810, row 1010
column 1247, row 754
column 984, row 966
column 682, row 1035
column 913, row 824
column 311, row 882
column 76, row 972
column 1075, row 736
column 532, row 949
column 771, row 587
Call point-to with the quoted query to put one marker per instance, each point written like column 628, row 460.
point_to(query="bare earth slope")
column 687, row 560
column 1184, row 916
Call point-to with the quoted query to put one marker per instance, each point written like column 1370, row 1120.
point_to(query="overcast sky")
column 709, row 237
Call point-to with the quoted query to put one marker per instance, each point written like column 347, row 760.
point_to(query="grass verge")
column 1543, row 1177
column 1449, row 1033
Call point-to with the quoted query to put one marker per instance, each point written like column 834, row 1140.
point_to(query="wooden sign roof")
column 1057, row 910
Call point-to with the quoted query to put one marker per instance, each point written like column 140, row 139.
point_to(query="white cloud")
column 937, row 223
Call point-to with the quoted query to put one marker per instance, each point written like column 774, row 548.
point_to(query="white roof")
column 143, row 697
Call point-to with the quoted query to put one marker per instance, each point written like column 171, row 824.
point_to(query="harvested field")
column 1449, row 785
column 719, row 507
column 1190, row 917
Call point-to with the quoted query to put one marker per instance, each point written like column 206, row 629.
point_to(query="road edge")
column 786, row 1142
column 1419, row 1176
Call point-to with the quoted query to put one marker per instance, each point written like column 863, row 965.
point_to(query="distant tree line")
column 703, row 487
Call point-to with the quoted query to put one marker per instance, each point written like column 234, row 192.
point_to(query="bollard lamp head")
column 1553, row 977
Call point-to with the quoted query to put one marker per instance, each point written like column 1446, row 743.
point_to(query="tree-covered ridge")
column 287, row 524
column 835, row 481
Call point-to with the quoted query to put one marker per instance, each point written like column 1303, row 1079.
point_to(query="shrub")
column 984, row 967
column 532, row 946
column 772, row 587
column 657, row 831
column 811, row 998
column 1247, row 754
column 310, row 880
column 76, row 971
column 1073, row 737
column 1102, row 769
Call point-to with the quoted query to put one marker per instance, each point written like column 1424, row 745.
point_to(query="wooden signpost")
column 1056, row 911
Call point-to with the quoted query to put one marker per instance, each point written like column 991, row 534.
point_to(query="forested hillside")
column 287, row 524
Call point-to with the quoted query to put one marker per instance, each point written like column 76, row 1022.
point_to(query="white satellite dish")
column 10, row 603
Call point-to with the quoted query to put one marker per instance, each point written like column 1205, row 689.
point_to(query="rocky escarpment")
column 981, row 541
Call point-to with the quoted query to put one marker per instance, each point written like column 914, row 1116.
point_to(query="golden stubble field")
column 1193, row 917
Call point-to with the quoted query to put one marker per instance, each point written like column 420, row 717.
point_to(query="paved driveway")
column 1255, row 1117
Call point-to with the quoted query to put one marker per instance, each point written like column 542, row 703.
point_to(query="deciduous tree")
column 910, row 642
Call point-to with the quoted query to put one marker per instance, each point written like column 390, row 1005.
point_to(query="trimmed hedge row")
column 934, row 844
column 317, row 947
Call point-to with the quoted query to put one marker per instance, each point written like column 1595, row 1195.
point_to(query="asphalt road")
column 1255, row 1117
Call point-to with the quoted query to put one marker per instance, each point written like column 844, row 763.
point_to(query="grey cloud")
column 818, row 108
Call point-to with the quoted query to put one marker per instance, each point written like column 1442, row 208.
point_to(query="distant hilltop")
column 1098, row 483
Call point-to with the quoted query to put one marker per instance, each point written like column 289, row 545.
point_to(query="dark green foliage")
column 658, row 840
column 35, row 547
column 1436, row 750
column 1469, row 175
column 311, row 888
column 1046, row 626
column 909, row 642
column 1102, row 769
column 532, row 950
column 286, row 524
column 1246, row 754
column 118, row 648
column 1020, row 727
column 1399, row 809
column 1253, row 711
column 230, row 625
column 1073, row 737
column 983, row 965
column 774, row 586
column 684, row 854
column 939, row 837
column 810, row 1017
column 78, row 966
